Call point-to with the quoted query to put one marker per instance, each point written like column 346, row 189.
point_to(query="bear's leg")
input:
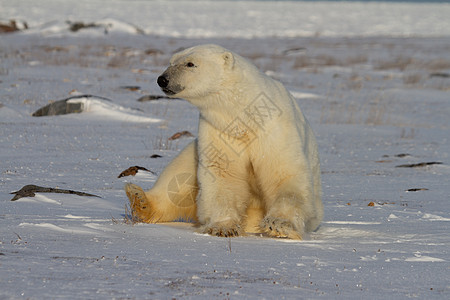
column 222, row 202
column 289, row 208
column 173, row 195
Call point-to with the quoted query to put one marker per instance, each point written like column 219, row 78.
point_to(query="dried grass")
column 403, row 63
column 357, row 60
column 129, row 217
column 374, row 113
column 412, row 79
column 399, row 62
column 315, row 61
column 437, row 64
column 163, row 143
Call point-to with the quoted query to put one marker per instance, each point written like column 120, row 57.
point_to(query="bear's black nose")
column 163, row 81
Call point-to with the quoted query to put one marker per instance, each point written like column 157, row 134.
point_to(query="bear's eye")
column 190, row 65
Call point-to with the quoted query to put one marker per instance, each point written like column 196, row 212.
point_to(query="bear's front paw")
column 139, row 204
column 280, row 228
column 223, row 230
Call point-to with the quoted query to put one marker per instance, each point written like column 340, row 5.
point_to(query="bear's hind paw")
column 139, row 204
column 280, row 228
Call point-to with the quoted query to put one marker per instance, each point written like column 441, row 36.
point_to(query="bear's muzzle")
column 164, row 83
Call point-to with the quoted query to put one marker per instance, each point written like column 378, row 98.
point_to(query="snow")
column 246, row 19
column 365, row 82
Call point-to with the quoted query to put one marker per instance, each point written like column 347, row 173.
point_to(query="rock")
column 154, row 97
column 419, row 165
column 442, row 75
column 132, row 88
column 76, row 26
column 12, row 26
column 295, row 50
column 60, row 107
column 106, row 25
column 133, row 171
column 63, row 107
column 31, row 190
column 180, row 134
column 416, row 190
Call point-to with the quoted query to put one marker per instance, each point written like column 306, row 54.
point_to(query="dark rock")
column 105, row 26
column 76, row 26
column 416, row 190
column 419, row 165
column 132, row 88
column 442, row 75
column 294, row 50
column 154, row 97
column 60, row 107
column 131, row 171
column 12, row 26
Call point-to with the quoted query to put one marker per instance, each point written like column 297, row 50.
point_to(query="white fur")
column 255, row 158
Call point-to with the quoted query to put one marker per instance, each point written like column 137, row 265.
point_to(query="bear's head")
column 196, row 72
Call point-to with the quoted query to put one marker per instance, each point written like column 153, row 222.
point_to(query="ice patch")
column 423, row 258
column 369, row 258
column 69, row 216
column 288, row 240
column 392, row 216
column 300, row 95
column 431, row 217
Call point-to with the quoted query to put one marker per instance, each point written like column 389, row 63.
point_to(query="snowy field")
column 372, row 78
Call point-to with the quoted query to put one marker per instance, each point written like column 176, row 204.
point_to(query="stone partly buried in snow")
column 65, row 106
column 95, row 107
column 106, row 25
column 12, row 26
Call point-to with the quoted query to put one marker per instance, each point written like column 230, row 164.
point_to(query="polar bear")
column 254, row 166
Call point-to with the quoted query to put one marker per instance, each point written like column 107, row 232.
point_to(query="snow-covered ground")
column 240, row 18
column 373, row 80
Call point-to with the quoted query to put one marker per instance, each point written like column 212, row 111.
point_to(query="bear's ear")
column 228, row 59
